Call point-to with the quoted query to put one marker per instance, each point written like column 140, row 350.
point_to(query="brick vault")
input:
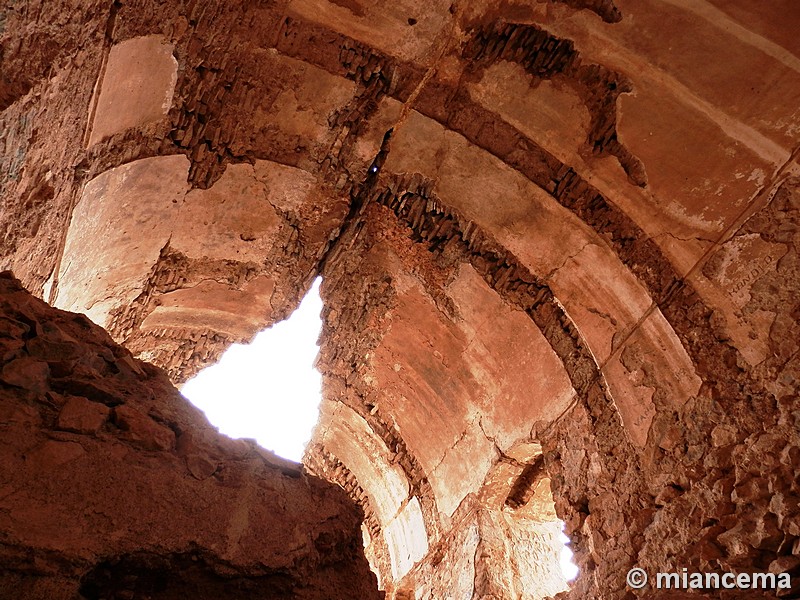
column 559, row 249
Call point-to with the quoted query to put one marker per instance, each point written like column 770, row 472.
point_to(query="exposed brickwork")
column 546, row 56
column 308, row 106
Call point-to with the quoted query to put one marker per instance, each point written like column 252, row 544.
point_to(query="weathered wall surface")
column 558, row 242
column 706, row 480
column 446, row 382
column 113, row 486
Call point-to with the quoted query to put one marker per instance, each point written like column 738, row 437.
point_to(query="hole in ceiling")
column 530, row 512
column 267, row 390
column 566, row 558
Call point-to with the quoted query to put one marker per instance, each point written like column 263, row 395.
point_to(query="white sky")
column 568, row 568
column 267, row 390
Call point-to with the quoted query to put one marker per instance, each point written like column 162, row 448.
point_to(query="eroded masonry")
column 559, row 248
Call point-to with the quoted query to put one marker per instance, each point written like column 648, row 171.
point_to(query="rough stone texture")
column 558, row 242
column 113, row 486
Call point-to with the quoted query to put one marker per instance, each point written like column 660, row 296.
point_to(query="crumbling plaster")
column 562, row 226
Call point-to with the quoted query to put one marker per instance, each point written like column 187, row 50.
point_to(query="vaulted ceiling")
column 556, row 234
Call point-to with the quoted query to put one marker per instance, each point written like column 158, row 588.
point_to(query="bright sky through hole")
column 568, row 567
column 267, row 390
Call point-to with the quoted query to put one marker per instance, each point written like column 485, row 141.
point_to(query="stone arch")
column 485, row 286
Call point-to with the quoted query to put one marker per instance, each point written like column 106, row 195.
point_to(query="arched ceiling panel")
column 344, row 433
column 135, row 88
column 107, row 261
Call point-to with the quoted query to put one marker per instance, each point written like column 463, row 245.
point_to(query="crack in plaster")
column 767, row 191
column 760, row 199
column 694, row 238
column 567, row 259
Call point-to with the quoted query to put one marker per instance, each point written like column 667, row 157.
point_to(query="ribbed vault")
column 558, row 243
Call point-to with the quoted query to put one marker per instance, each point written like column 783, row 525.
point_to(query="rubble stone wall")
column 114, row 486
column 558, row 243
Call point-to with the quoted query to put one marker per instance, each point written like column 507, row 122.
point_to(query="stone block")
column 82, row 415
column 142, row 430
column 26, row 373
